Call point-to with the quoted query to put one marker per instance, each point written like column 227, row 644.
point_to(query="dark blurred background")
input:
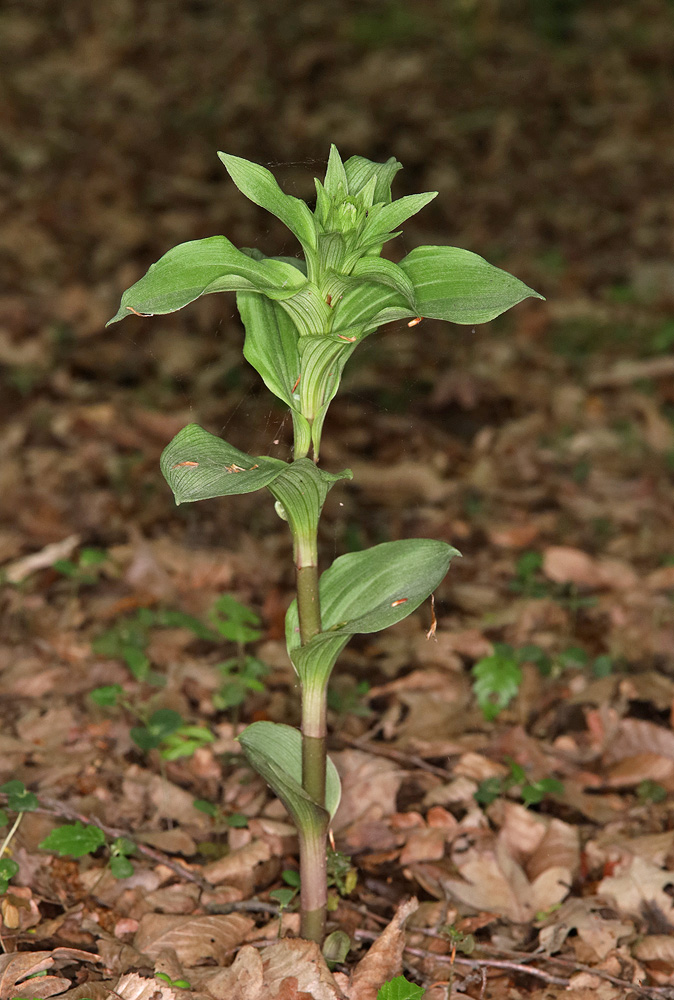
column 545, row 125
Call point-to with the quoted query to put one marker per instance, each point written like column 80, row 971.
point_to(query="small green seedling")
column 285, row 896
column 242, row 673
column 650, row 791
column 530, row 792
column 20, row 801
column 304, row 316
column 179, row 984
column 86, row 569
column 77, row 840
column 164, row 729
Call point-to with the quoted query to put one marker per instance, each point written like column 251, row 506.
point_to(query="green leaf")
column 106, row 696
column 198, row 465
column 383, row 220
column 322, row 361
column 202, row 267
column 261, row 187
column 161, row 725
column 4, row 818
column 302, row 488
column 400, row 989
column 359, row 171
column 74, row 840
column 336, row 947
column 19, row 799
column 497, row 681
column 121, row 867
column 336, row 182
column 365, row 592
column 459, row 286
column 271, row 344
column 378, row 270
column 8, row 868
column 275, row 751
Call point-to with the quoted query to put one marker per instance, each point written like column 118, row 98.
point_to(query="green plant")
column 242, row 673
column 304, row 317
column 84, row 570
column 20, row 801
column 400, row 989
column 530, row 792
column 76, row 840
column 162, row 729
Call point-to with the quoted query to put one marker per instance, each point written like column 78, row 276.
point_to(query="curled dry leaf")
column 133, row 986
column 370, row 786
column 238, row 866
column 598, row 934
column 493, row 881
column 194, row 939
column 292, row 968
column 17, row 965
column 638, row 736
column 384, row 959
column 655, row 948
column 638, row 886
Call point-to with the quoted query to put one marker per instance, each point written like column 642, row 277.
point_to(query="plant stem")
column 308, row 602
column 313, row 888
column 313, row 846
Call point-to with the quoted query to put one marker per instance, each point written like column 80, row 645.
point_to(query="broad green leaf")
column 302, row 488
column 202, row 267
column 74, row 840
column 364, row 307
column 459, row 286
column 400, row 989
column 379, row 271
column 271, row 344
column 261, row 187
column 359, row 171
column 198, row 465
column 121, row 867
column 19, row 799
column 497, row 681
column 366, row 592
column 275, row 751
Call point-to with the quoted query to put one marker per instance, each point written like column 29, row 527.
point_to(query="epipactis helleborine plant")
column 304, row 317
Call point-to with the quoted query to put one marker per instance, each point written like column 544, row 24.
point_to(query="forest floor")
column 539, row 842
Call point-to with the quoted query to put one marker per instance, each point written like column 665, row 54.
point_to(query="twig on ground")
column 381, row 750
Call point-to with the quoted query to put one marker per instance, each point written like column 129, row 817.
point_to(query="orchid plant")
column 304, row 317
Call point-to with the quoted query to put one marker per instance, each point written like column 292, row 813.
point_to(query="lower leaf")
column 275, row 751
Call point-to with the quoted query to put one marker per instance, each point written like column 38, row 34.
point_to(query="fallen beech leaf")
column 238, row 865
column 384, row 959
column 243, row 980
column 655, row 948
column 639, row 883
column 563, row 564
column 642, row 767
column 424, row 845
column 17, row 965
column 133, row 986
column 493, row 881
column 638, row 736
column 194, row 939
column 370, row 786
column 599, row 934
